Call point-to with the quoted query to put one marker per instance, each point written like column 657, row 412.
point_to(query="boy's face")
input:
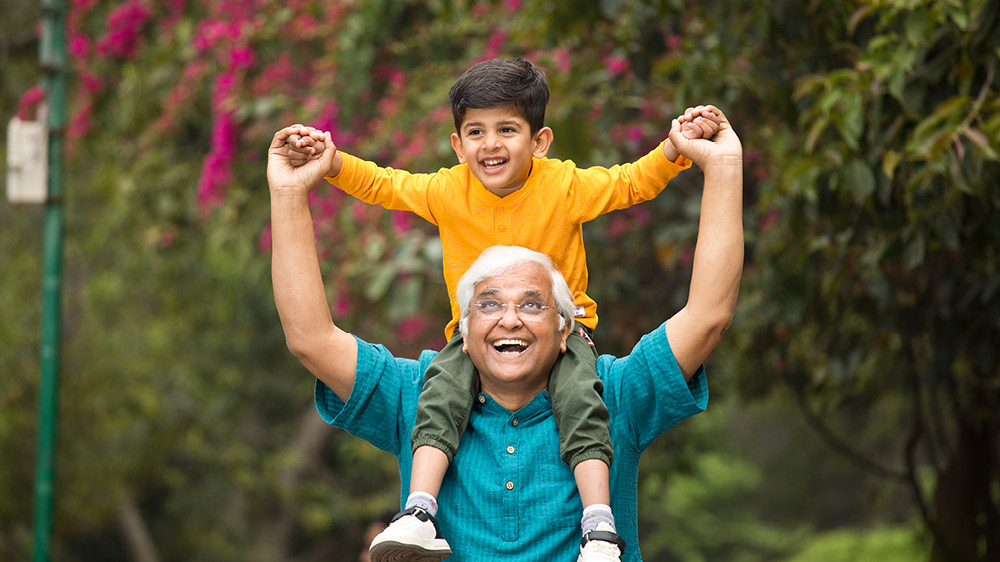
column 497, row 144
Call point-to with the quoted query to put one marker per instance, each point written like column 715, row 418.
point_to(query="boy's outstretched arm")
column 310, row 333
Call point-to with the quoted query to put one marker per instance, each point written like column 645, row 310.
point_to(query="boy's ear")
column 456, row 145
column 541, row 142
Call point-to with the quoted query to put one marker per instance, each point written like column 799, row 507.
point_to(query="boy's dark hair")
column 502, row 82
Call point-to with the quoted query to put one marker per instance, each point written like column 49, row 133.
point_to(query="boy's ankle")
column 424, row 501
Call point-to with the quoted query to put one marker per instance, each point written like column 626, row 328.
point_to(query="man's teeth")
column 510, row 346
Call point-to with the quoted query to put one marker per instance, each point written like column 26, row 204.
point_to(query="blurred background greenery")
column 856, row 399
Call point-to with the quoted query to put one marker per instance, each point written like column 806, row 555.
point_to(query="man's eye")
column 487, row 306
column 532, row 306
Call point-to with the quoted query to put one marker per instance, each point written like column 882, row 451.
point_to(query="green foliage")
column 886, row 545
column 869, row 308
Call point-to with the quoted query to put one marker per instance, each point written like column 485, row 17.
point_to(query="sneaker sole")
column 392, row 551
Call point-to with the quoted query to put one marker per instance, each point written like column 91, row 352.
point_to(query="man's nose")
column 510, row 318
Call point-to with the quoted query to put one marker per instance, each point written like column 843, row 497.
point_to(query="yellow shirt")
column 545, row 215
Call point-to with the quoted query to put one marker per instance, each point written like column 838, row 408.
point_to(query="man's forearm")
column 295, row 273
column 718, row 260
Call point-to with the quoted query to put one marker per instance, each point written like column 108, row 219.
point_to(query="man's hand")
column 308, row 144
column 724, row 148
column 288, row 170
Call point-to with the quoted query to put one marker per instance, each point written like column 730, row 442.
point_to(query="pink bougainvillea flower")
column 494, row 44
column 617, row 65
column 27, row 106
column 264, row 240
column 634, row 133
column 342, row 304
column 402, row 221
column 216, row 170
column 242, row 57
column 412, row 328
column 124, row 26
column 79, row 45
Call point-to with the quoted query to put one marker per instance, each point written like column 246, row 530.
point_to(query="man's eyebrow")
column 487, row 293
column 532, row 293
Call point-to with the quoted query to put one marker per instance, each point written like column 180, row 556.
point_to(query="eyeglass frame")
column 518, row 306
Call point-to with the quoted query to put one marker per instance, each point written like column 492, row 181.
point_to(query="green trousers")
column 452, row 383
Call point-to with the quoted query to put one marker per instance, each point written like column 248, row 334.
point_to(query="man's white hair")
column 498, row 260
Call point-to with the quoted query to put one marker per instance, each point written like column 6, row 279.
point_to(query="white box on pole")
column 27, row 160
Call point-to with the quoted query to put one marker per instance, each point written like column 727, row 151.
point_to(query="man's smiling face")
column 513, row 353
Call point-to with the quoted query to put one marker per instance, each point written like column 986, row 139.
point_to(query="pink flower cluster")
column 27, row 106
column 124, row 25
column 217, row 168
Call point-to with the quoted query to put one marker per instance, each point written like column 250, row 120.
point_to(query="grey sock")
column 596, row 514
column 424, row 501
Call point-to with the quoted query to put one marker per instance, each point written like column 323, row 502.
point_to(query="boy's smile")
column 498, row 146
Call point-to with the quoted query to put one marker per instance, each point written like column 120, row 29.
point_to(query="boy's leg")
column 585, row 441
column 450, row 386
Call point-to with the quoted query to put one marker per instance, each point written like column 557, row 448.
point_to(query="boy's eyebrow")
column 477, row 124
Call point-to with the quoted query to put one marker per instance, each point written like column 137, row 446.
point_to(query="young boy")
column 505, row 191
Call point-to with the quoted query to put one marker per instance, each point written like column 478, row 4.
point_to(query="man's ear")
column 541, row 142
column 566, row 331
column 456, row 145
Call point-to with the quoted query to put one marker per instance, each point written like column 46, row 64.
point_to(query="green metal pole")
column 53, row 60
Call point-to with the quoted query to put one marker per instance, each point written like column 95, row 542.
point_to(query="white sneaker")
column 601, row 545
column 412, row 536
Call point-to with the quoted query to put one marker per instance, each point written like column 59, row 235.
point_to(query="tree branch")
column 137, row 537
column 840, row 445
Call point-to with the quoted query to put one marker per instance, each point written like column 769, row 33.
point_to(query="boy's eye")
column 507, row 130
column 474, row 132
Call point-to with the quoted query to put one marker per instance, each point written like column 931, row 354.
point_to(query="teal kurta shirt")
column 507, row 496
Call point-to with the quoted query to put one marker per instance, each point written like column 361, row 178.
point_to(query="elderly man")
column 509, row 496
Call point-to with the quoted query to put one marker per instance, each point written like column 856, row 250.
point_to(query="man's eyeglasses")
column 492, row 308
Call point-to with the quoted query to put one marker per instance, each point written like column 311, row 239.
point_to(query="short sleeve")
column 646, row 392
column 379, row 408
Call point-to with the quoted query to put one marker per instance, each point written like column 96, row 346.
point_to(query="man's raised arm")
column 696, row 329
column 327, row 351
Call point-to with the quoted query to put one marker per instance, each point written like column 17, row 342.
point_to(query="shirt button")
column 482, row 399
column 513, row 422
column 500, row 209
column 510, row 485
column 502, row 229
column 510, row 449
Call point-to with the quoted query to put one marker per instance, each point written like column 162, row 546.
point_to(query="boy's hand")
column 283, row 174
column 701, row 122
column 306, row 144
column 724, row 149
